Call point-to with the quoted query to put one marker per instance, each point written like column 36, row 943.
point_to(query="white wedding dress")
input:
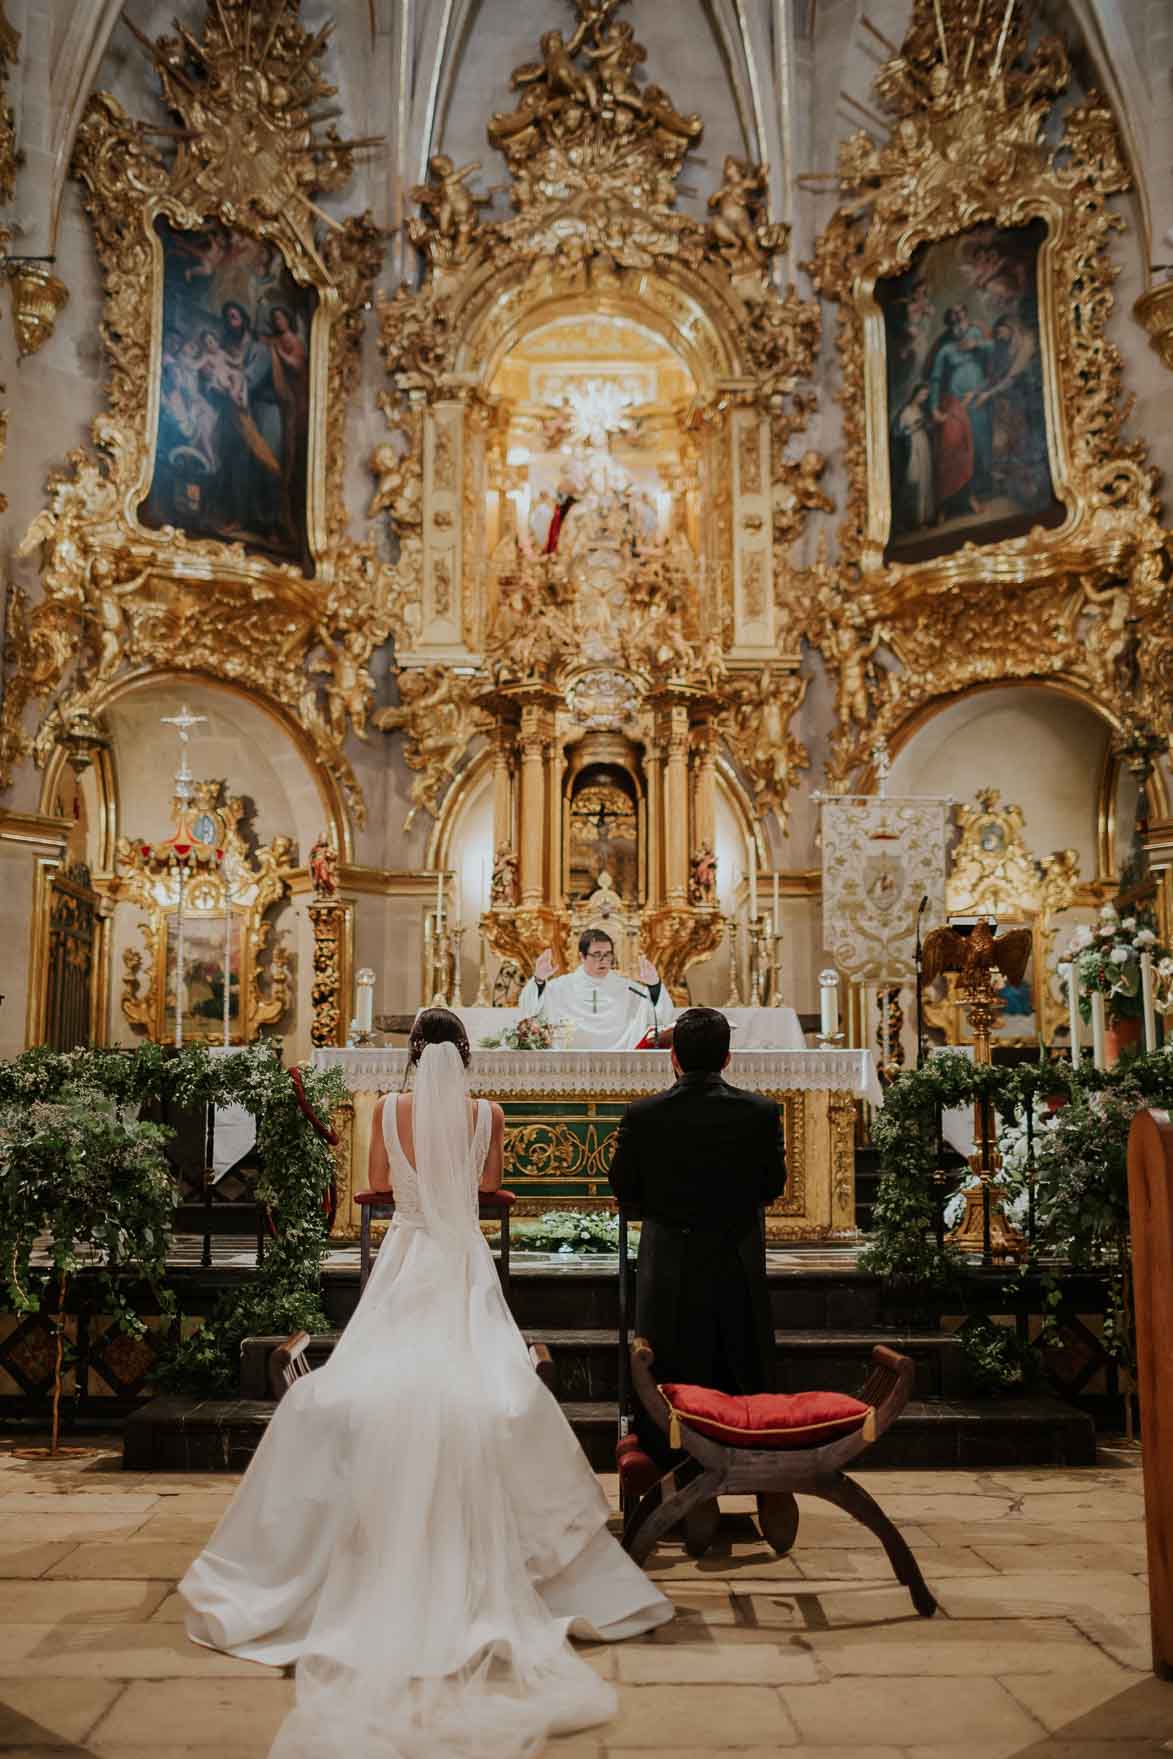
column 419, row 1529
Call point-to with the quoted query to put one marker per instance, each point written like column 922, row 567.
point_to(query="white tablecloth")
column 756, row 1029
column 529, row 1074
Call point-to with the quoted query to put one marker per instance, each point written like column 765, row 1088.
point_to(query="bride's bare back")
column 379, row 1168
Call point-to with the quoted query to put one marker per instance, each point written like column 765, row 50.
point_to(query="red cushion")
column 765, row 1420
column 375, row 1199
column 492, row 1202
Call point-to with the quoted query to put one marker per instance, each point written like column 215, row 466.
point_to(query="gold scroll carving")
column 975, row 141
column 248, row 157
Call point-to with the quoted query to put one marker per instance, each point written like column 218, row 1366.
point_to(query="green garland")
column 297, row 1164
column 903, row 1245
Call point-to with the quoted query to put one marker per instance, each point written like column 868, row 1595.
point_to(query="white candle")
column 364, row 1000
column 179, row 965
column 484, row 884
column 227, row 961
column 1098, row 1057
column 439, row 902
column 885, row 1016
column 777, row 909
column 1150, row 1012
column 753, row 879
column 1070, row 976
column 828, row 1003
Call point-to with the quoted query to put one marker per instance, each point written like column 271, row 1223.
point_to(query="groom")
column 697, row 1163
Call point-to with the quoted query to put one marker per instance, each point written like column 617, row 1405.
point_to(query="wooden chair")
column 775, row 1472
column 380, row 1206
column 290, row 1361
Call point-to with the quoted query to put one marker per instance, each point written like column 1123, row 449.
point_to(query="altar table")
column 757, row 1029
column 562, row 1108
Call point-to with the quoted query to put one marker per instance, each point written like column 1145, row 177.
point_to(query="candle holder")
column 734, row 998
column 776, row 969
column 833, row 1043
column 456, row 937
column 358, row 1038
column 759, row 937
column 829, row 1035
column 484, row 995
column 441, row 951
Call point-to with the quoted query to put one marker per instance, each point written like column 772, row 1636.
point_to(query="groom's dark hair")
column 438, row 1026
column 589, row 936
column 700, row 1039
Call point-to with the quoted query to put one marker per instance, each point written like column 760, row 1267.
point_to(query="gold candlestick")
column 734, row 999
column 757, row 941
column 484, row 995
column 776, row 997
column 457, row 936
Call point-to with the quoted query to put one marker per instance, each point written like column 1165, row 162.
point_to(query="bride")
column 419, row 1530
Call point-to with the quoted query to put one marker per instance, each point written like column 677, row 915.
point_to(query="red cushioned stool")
column 380, row 1206
column 772, row 1445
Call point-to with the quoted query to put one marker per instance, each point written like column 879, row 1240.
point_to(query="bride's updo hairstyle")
column 437, row 1026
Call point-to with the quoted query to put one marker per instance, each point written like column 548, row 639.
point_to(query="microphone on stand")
column 920, row 987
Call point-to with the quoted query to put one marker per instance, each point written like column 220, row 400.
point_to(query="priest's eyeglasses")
column 599, row 958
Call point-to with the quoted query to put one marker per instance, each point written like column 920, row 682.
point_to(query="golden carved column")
column 554, row 824
column 654, row 771
column 676, row 807
column 705, row 796
column 333, row 957
column 504, row 828
column 752, row 530
column 532, row 743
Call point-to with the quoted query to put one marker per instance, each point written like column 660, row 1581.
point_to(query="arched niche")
column 129, row 789
column 1048, row 749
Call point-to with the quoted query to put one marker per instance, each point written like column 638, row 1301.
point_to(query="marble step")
column 221, row 1435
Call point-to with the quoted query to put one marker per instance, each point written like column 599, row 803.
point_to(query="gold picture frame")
column 122, row 591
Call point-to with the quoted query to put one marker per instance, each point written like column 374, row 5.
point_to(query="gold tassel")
column 673, row 1430
column 869, row 1424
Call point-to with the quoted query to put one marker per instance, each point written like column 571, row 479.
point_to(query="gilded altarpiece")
column 206, row 530
column 980, row 395
column 592, row 479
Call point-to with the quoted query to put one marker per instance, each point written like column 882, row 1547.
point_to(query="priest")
column 607, row 1010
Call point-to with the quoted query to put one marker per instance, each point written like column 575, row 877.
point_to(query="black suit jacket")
column 697, row 1163
column 702, row 1155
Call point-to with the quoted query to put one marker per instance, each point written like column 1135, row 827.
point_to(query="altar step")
column 221, row 1435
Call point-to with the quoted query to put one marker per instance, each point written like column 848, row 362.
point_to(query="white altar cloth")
column 529, row 1074
column 755, row 1029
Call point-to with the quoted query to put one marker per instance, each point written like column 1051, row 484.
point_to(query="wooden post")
column 1150, row 1203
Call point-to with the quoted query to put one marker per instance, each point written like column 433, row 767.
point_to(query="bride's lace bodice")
column 405, row 1180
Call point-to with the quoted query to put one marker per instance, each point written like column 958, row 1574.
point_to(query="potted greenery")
column 82, row 1186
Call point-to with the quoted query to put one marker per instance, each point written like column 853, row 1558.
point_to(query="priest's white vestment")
column 608, row 1013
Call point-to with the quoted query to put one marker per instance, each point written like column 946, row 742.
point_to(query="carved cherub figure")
column 564, row 81
column 807, row 483
column 503, row 887
column 453, row 208
column 351, row 686
column 733, row 230
column 400, row 490
column 702, row 878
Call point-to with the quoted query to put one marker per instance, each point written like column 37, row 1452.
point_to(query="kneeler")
column 772, row 1445
column 380, row 1206
column 290, row 1360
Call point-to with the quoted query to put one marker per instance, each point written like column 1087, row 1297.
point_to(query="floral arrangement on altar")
column 530, row 1034
column 1108, row 959
column 573, row 1232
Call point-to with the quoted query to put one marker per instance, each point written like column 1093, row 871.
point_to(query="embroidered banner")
column 880, row 858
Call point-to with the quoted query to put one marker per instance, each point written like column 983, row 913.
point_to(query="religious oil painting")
column 968, row 459
column 232, row 440
column 205, row 938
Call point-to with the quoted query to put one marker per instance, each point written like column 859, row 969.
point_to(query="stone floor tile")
column 1058, row 1699
column 48, row 1713
column 214, row 1715
column 946, row 1505
column 170, row 1611
column 709, row 1717
column 97, row 1502
column 1135, row 1710
column 113, row 1652
column 177, row 1530
column 935, row 1560
column 1037, row 1593
column 970, row 1647
column 928, row 1484
column 48, row 1529
column 1066, row 1558
column 721, row 1663
column 817, row 1530
column 940, row 1712
column 144, row 1559
column 75, row 1603
column 33, row 1559
column 1063, row 1747
column 800, row 1752
column 1011, row 1531
column 1126, row 1638
column 822, row 1604
column 1087, row 1509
